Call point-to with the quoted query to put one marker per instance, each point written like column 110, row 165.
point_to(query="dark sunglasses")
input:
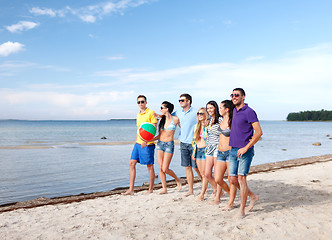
column 182, row 100
column 140, row 102
column 200, row 114
column 161, row 108
column 234, row 95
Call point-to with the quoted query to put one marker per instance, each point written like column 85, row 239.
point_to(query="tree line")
column 322, row 115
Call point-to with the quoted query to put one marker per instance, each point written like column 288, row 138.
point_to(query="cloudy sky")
column 88, row 60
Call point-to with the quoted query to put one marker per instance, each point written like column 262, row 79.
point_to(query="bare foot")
column 239, row 215
column 188, row 194
column 253, row 201
column 227, row 208
column 128, row 193
column 213, row 195
column 215, row 202
column 200, row 197
column 163, row 191
column 148, row 192
column 179, row 185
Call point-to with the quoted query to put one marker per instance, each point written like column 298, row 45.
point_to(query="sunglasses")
column 200, row 114
column 161, row 108
column 140, row 102
column 182, row 100
column 234, row 95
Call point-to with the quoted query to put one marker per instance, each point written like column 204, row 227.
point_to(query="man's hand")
column 241, row 151
column 143, row 145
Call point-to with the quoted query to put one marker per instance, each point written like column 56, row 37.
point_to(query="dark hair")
column 216, row 111
column 188, row 97
column 142, row 96
column 230, row 105
column 241, row 90
column 170, row 108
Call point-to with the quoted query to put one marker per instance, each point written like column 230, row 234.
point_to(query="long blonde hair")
column 199, row 124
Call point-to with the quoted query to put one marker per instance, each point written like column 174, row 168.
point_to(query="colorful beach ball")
column 147, row 131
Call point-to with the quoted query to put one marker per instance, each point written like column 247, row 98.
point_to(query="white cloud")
column 88, row 18
column 12, row 68
column 8, row 48
column 300, row 80
column 21, row 26
column 43, row 11
column 114, row 58
column 97, row 105
column 91, row 13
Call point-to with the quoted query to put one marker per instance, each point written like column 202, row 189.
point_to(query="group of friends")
column 220, row 137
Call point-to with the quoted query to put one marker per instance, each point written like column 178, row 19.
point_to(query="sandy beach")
column 295, row 203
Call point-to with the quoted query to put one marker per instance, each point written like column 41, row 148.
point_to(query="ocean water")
column 57, row 164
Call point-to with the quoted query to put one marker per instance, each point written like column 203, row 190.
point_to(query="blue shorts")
column 186, row 153
column 223, row 155
column 212, row 150
column 200, row 154
column 167, row 147
column 145, row 155
column 240, row 165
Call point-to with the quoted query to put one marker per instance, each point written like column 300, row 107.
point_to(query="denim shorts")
column 167, row 147
column 212, row 150
column 223, row 155
column 186, row 155
column 240, row 165
column 200, row 154
column 145, row 155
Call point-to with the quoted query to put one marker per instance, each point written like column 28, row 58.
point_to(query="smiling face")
column 237, row 98
column 163, row 109
column 201, row 115
column 141, row 102
column 184, row 103
column 210, row 109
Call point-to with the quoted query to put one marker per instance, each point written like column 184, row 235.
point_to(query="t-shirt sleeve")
column 153, row 119
column 252, row 116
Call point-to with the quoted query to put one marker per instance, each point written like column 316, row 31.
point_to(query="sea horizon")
column 73, row 158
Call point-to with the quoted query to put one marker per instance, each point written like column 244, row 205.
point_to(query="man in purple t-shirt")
column 245, row 132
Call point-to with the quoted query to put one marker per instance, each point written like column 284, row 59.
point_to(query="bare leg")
column 253, row 199
column 167, row 162
column 165, row 168
column 160, row 156
column 201, row 168
column 220, row 169
column 232, row 194
column 151, row 177
column 190, row 180
column 198, row 173
column 132, row 176
column 208, row 172
column 219, row 194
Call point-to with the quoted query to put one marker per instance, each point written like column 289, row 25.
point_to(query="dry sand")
column 295, row 203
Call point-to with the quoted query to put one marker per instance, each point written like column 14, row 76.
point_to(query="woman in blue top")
column 165, row 145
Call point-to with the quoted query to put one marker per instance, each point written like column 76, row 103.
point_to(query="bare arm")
column 257, row 134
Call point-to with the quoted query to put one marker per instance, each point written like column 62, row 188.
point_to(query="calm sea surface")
column 68, row 168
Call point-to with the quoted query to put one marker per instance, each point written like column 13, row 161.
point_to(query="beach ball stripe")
column 147, row 131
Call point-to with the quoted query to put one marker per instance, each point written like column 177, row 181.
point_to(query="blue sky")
column 88, row 60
